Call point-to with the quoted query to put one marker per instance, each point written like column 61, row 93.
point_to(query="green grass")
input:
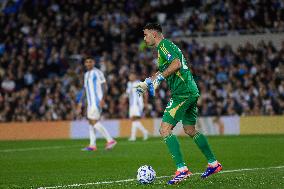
column 32, row 164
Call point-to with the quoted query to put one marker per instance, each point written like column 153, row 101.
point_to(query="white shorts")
column 135, row 111
column 93, row 113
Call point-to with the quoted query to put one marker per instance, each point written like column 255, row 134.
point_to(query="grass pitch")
column 61, row 163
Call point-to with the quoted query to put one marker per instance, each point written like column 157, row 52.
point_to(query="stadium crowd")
column 219, row 17
column 43, row 43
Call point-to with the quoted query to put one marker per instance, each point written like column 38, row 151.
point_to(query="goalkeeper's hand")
column 153, row 85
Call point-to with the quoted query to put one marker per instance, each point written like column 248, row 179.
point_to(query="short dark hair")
column 153, row 26
column 88, row 57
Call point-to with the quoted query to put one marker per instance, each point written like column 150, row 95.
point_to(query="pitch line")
column 61, row 147
column 130, row 180
column 38, row 148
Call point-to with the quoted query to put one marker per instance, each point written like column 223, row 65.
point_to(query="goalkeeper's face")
column 149, row 37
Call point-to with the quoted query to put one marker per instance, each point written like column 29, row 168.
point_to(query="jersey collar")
column 161, row 42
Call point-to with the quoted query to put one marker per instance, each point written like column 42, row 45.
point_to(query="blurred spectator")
column 42, row 44
column 220, row 17
column 8, row 84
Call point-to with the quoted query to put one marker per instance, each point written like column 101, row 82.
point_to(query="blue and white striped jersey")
column 134, row 98
column 93, row 81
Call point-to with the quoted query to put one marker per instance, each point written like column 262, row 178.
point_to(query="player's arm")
column 167, row 53
column 145, row 100
column 159, row 77
column 173, row 68
column 80, row 95
column 128, row 90
column 174, row 65
column 104, row 89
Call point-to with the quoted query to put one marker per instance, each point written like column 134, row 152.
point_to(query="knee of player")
column 164, row 131
column 190, row 131
column 92, row 122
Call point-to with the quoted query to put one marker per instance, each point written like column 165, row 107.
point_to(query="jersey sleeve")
column 80, row 94
column 102, row 78
column 167, row 52
column 128, row 89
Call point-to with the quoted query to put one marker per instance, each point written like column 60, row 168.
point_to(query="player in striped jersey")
column 94, row 88
column 136, row 106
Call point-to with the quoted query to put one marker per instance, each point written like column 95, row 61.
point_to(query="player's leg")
column 189, row 122
column 140, row 126
column 135, row 114
column 172, row 144
column 110, row 141
column 201, row 141
column 94, row 115
column 170, row 119
column 92, row 146
column 133, row 130
column 99, row 127
column 136, row 124
column 143, row 129
column 132, row 114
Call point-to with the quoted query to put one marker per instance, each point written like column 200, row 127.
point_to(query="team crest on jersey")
column 169, row 56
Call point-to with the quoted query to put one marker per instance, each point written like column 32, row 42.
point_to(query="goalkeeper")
column 182, row 105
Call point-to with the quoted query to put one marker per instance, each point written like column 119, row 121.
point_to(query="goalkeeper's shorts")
column 181, row 109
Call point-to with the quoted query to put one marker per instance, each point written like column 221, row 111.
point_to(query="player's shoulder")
column 165, row 45
column 161, row 44
column 166, row 42
column 98, row 71
column 130, row 83
column 137, row 81
column 86, row 73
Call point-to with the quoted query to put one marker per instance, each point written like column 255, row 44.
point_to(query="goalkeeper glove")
column 153, row 85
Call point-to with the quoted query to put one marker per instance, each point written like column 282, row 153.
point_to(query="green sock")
column 203, row 145
column 173, row 146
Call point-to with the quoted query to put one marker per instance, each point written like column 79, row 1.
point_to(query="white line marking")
column 130, row 180
column 38, row 148
column 67, row 146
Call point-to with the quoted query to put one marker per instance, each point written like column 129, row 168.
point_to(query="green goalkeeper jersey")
column 181, row 83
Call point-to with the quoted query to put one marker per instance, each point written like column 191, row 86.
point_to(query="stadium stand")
column 42, row 45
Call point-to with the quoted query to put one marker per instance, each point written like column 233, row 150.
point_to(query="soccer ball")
column 146, row 174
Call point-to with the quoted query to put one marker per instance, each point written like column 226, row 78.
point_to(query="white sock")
column 92, row 135
column 141, row 127
column 133, row 131
column 214, row 163
column 103, row 131
column 181, row 169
